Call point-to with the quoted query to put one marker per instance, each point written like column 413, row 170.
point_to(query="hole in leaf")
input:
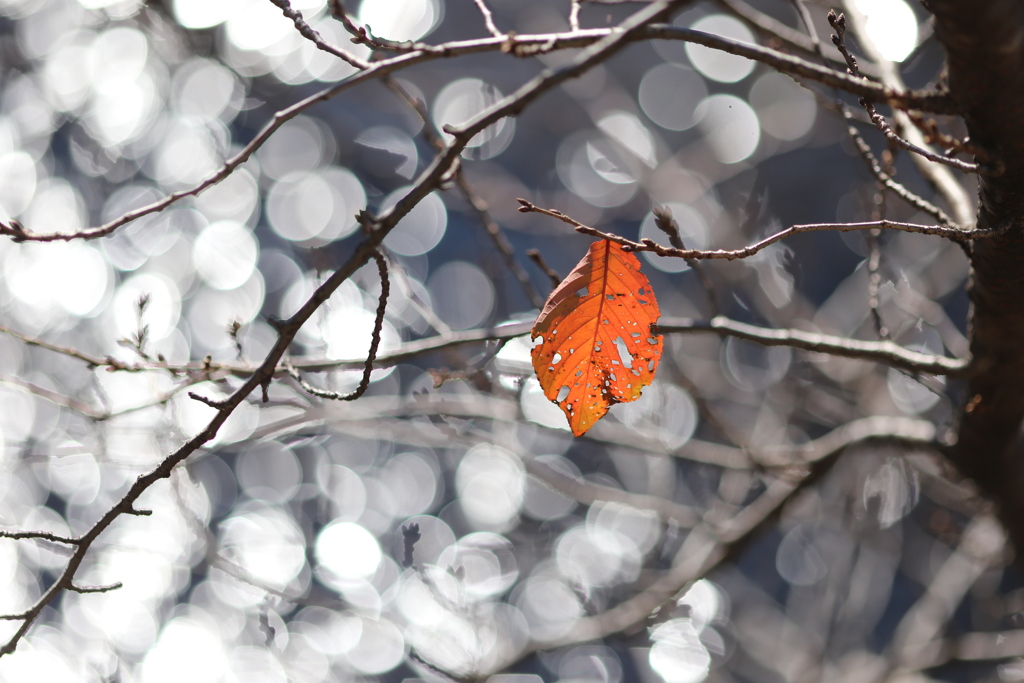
column 556, row 359
column 563, row 393
column 581, row 292
column 624, row 355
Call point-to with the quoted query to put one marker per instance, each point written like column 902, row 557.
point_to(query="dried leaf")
column 596, row 345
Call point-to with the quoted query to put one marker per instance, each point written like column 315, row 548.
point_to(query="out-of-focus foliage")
column 276, row 554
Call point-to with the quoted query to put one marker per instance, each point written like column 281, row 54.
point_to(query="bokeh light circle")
column 347, row 550
column 225, row 254
column 786, row 110
column 891, row 26
column 730, row 127
column 463, row 295
column 669, row 95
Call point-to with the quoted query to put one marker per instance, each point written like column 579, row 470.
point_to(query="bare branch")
column 574, row 14
column 898, row 189
column 938, row 103
column 488, row 19
column 500, row 242
column 588, row 493
column 314, row 37
column 371, row 356
column 886, row 352
column 537, row 258
column 955, row 234
column 39, row 535
column 54, row 397
column 664, row 221
column 17, row 617
column 74, row 587
column 88, row 359
column 838, row 22
column 774, row 31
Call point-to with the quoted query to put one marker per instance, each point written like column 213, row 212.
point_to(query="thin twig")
column 503, row 246
column 875, row 253
column 39, row 535
column 953, row 145
column 488, row 19
column 574, row 14
column 665, row 222
column 900, row 190
column 371, row 356
column 55, row 397
column 536, row 257
column 893, row 138
column 89, row 359
column 775, row 32
column 874, row 283
column 314, row 37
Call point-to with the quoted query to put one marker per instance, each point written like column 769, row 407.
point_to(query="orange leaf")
column 597, row 348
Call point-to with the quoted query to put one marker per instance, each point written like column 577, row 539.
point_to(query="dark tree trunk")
column 984, row 43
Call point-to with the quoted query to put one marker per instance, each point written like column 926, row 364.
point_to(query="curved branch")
column 774, row 30
column 939, row 103
column 371, row 356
